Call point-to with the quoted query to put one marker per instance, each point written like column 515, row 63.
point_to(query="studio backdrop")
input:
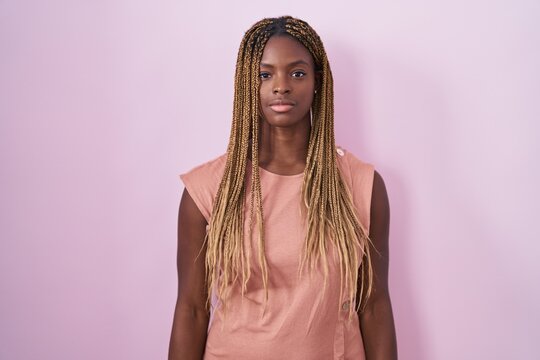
column 104, row 103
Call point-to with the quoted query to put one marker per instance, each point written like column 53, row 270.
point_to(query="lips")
column 281, row 105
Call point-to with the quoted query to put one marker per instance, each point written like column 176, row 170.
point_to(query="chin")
column 284, row 119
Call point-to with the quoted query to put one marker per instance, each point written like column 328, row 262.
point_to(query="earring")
column 315, row 91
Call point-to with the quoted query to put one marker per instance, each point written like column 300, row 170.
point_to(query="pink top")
column 301, row 321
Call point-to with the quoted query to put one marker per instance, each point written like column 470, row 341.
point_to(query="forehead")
column 284, row 49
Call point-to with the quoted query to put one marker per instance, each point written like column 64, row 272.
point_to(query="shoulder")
column 359, row 177
column 368, row 189
column 202, row 183
column 352, row 168
column 210, row 167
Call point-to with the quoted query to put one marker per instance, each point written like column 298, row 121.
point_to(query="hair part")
column 329, row 210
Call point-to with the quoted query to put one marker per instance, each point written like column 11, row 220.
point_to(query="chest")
column 284, row 224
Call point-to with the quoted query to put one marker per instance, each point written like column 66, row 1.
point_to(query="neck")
column 283, row 150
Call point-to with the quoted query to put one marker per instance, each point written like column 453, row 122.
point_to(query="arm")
column 188, row 337
column 376, row 321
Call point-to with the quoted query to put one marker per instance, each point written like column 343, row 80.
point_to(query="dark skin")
column 377, row 320
column 188, row 337
column 287, row 75
column 288, row 82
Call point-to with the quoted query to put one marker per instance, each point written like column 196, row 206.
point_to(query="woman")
column 283, row 240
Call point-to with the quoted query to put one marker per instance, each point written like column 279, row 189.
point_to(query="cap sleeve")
column 358, row 176
column 202, row 183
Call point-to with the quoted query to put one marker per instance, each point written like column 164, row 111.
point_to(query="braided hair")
column 328, row 203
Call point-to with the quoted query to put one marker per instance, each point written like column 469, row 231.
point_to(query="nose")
column 281, row 86
column 279, row 90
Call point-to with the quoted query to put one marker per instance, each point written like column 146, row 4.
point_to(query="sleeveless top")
column 301, row 321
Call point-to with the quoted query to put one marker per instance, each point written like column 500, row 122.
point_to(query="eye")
column 264, row 75
column 298, row 74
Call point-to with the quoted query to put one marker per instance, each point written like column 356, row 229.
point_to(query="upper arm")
column 192, row 290
column 376, row 321
column 379, row 233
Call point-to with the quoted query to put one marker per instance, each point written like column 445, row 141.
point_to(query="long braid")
column 330, row 211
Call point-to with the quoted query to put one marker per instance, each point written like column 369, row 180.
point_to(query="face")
column 288, row 81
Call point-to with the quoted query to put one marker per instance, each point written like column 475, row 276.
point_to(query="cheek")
column 263, row 92
column 308, row 96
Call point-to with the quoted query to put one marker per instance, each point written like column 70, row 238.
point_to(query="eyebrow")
column 294, row 63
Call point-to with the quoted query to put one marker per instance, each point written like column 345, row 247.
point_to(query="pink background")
column 104, row 103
